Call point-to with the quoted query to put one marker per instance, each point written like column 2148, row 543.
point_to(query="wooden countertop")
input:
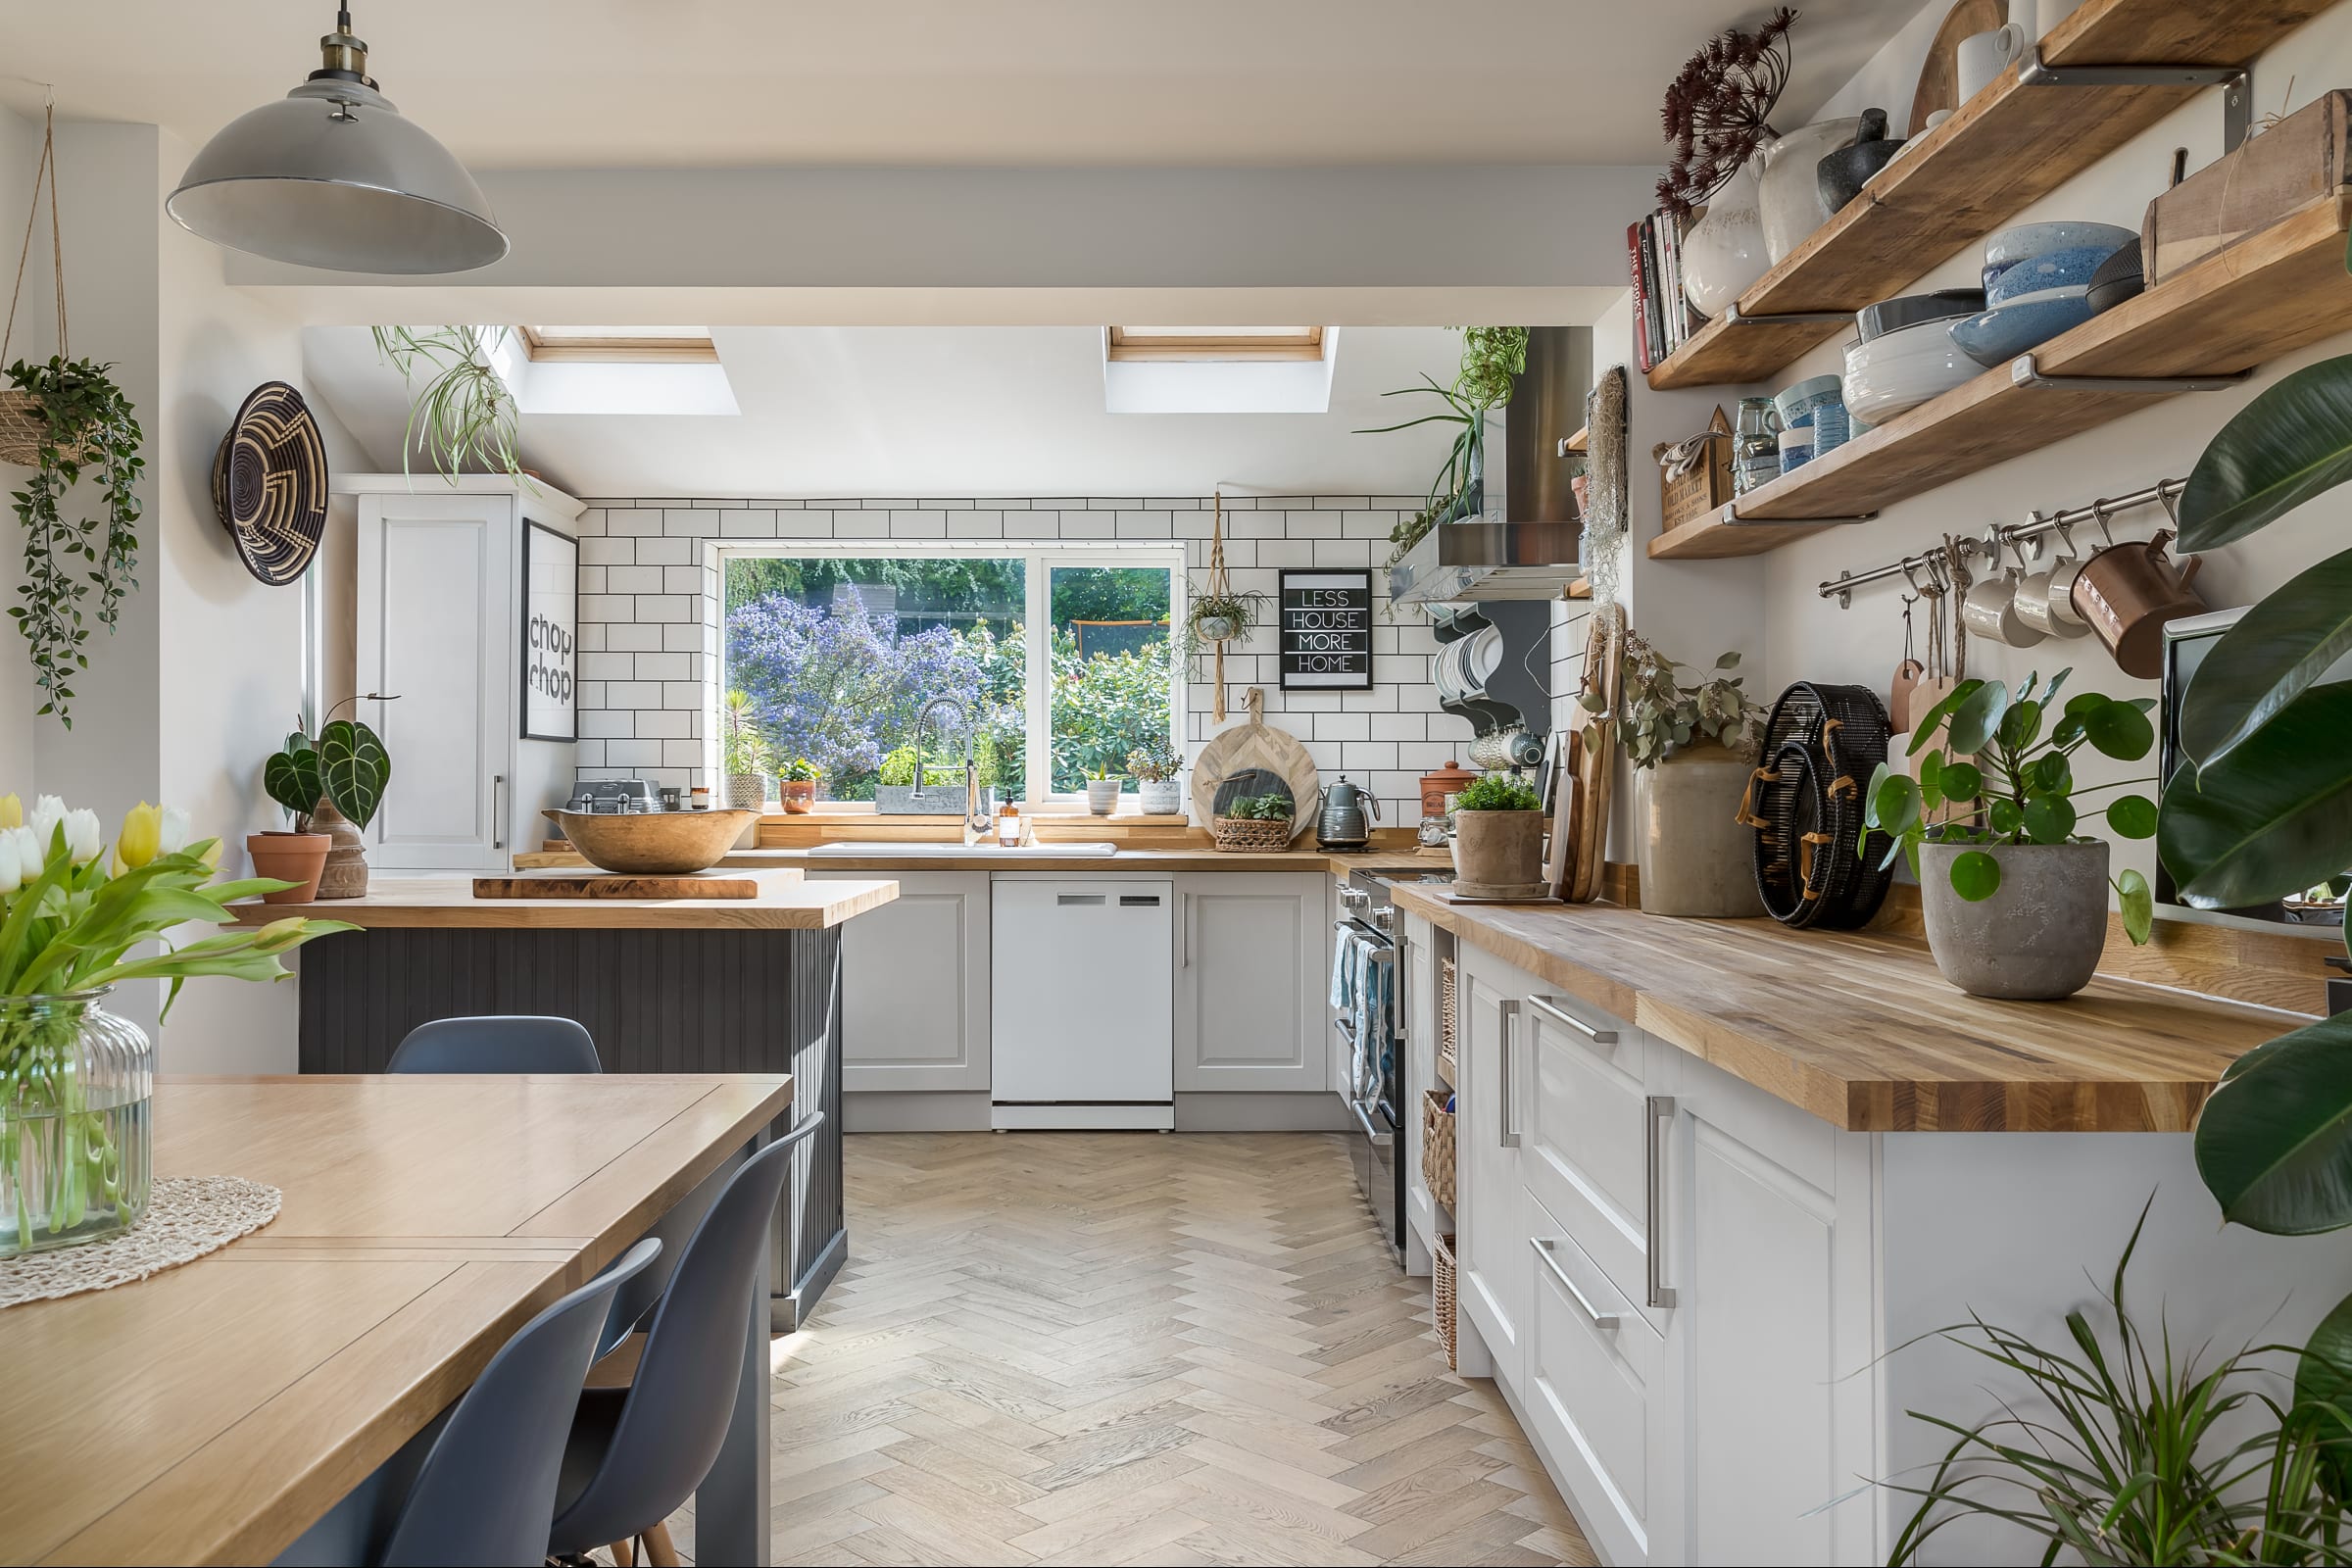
column 987, row 858
column 1859, row 1028
column 786, row 902
column 211, row 1412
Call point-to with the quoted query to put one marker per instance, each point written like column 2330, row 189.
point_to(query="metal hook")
column 2066, row 531
column 2098, row 515
column 2171, row 501
column 1910, row 565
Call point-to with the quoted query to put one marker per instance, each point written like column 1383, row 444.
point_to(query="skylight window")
column 1215, row 345
column 620, row 345
column 1218, row 370
column 614, row 369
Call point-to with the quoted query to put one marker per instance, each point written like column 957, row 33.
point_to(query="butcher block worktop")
column 991, row 858
column 1859, row 1029
column 786, row 902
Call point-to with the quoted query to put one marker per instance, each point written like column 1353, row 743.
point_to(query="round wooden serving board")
column 1257, row 744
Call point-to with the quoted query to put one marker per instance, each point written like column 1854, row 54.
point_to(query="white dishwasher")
column 1081, row 1004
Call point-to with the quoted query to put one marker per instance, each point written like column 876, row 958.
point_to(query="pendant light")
column 331, row 175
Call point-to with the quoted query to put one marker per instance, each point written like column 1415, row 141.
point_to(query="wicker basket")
column 1249, row 835
column 1448, row 1023
column 1441, row 1298
column 1437, row 1145
column 22, row 431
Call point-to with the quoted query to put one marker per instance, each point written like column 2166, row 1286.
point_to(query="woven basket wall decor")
column 270, row 484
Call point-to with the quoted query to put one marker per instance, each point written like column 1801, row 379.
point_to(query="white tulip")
column 46, row 813
column 175, row 830
column 85, row 838
column 12, row 870
column 22, row 847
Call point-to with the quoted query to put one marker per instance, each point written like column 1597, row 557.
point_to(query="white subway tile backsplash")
column 805, row 524
column 667, row 606
column 918, row 524
column 634, row 579
column 609, row 552
column 665, row 552
column 633, row 637
column 691, row 523
column 681, row 579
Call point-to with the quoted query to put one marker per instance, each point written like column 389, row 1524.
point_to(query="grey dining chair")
column 516, row 1043
column 637, row 1453
column 487, row 1489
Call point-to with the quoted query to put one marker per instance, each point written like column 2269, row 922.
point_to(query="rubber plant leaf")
column 2290, row 444
column 2278, row 650
column 2323, row 1392
column 2274, row 1142
column 2272, row 817
column 354, row 768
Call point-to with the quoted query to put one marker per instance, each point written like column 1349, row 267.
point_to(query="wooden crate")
column 2266, row 181
column 1706, row 489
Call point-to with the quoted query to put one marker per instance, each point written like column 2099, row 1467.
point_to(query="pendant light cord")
column 57, row 243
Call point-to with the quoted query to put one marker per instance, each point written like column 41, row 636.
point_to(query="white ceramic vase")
column 1789, row 184
column 1723, row 254
column 1696, row 859
column 1102, row 796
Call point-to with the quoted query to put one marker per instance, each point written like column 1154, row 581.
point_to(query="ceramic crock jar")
column 76, row 1137
column 1723, row 253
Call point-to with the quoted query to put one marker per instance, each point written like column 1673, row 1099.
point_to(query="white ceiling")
column 596, row 83
column 946, row 411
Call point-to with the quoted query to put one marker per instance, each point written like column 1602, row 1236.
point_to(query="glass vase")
column 76, row 1132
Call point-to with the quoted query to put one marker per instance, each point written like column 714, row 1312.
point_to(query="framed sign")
column 1326, row 630
column 551, row 619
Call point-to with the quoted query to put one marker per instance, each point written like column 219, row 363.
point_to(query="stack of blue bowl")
column 1818, row 406
column 2036, row 285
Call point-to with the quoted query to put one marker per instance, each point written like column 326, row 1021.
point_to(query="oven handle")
column 1380, row 1139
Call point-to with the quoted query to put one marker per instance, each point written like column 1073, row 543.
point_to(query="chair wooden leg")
column 657, row 1549
column 624, row 1553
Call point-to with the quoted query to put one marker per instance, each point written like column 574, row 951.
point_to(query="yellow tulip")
column 11, row 812
column 142, row 835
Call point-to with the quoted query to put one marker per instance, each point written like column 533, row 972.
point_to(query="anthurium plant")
column 346, row 766
column 2011, row 756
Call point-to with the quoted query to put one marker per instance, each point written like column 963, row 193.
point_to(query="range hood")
column 1527, row 544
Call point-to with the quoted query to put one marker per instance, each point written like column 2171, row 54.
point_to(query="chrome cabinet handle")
column 1544, row 1247
column 1508, row 1133
column 498, row 814
column 1658, row 1124
column 1552, row 1009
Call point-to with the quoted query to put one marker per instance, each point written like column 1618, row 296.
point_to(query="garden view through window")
column 1060, row 656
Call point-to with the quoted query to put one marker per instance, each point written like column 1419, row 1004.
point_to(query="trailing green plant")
column 1492, row 357
column 87, row 425
column 1241, row 611
column 464, row 415
column 1272, row 807
column 2006, row 756
column 1155, row 759
column 742, row 748
column 1658, row 712
column 345, row 765
column 1497, row 792
column 2146, row 1457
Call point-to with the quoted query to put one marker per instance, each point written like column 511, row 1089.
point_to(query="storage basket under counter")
column 1437, row 1144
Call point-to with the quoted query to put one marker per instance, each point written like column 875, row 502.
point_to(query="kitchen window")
column 1063, row 653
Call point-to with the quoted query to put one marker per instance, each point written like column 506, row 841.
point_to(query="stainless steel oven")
column 1380, row 1093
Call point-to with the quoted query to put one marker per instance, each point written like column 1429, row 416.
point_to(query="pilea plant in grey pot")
column 2015, row 900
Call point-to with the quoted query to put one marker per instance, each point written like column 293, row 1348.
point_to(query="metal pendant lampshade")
column 333, row 175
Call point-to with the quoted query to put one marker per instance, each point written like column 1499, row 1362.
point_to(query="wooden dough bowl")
column 654, row 843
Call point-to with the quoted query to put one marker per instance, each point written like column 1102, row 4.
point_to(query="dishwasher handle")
column 1065, row 900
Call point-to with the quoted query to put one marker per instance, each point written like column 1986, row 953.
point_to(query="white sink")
column 885, row 847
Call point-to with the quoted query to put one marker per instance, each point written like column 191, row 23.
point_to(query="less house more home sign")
column 1326, row 630
column 550, row 616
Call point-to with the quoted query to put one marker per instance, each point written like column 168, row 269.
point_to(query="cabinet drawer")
column 1592, row 1362
column 1587, row 1137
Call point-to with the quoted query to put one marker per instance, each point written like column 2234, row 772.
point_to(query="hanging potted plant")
column 1155, row 765
column 1492, row 358
column 463, row 415
column 341, row 774
column 2016, row 901
column 1692, row 747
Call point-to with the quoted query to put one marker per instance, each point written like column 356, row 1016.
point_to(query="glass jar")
column 76, row 1133
column 1755, row 445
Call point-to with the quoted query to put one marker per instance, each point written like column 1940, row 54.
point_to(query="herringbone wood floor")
column 1120, row 1347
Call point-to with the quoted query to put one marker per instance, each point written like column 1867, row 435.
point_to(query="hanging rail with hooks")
column 2002, row 538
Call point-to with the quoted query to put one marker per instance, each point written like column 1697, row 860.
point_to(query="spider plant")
column 462, row 414
column 1491, row 357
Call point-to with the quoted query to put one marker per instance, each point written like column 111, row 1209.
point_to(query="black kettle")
column 1342, row 824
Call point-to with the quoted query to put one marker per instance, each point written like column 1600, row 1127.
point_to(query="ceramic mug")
column 1983, row 57
column 2127, row 593
column 1990, row 611
column 2038, row 602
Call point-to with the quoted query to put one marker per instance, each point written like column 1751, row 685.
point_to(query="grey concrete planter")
column 2038, row 936
column 1696, row 859
column 1160, row 797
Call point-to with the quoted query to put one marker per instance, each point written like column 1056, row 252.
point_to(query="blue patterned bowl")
column 2005, row 331
column 2012, row 245
column 2038, row 274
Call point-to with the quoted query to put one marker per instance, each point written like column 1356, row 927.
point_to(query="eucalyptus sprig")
column 465, row 414
column 2003, row 757
column 1660, row 713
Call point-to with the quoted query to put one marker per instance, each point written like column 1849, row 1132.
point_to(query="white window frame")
column 1037, row 558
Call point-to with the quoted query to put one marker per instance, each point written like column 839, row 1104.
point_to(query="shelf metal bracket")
column 1731, row 317
column 2026, row 371
column 1731, row 518
column 2237, row 98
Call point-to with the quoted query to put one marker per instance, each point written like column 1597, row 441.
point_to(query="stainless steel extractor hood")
column 1526, row 545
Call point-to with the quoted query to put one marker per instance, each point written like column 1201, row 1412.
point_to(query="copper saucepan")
column 2126, row 593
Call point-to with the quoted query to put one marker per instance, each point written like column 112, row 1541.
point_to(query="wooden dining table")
column 214, row 1412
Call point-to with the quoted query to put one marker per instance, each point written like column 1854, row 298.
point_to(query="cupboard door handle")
column 1508, row 1133
column 1659, row 1123
column 1544, row 1247
column 1551, row 1010
column 498, row 811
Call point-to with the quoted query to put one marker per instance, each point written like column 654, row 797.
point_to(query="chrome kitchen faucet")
column 975, row 814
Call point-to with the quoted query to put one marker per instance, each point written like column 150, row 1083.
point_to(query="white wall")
column 33, row 339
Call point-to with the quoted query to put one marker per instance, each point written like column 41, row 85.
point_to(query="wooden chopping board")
column 613, row 885
column 1257, row 744
column 1596, row 763
column 1939, row 74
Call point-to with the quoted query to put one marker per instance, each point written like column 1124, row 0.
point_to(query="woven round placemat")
column 187, row 1216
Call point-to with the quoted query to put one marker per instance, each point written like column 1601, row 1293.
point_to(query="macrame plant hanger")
column 24, row 427
column 1219, row 587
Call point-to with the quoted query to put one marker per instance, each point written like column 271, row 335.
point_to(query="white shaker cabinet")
column 1494, row 1262
column 914, row 979
column 1251, row 1003
column 439, row 624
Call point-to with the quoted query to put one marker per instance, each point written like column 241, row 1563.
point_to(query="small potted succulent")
column 1498, row 836
column 2015, row 900
column 1256, row 823
column 745, row 756
column 1155, row 765
column 331, row 787
column 1102, row 784
column 1692, row 747
column 798, row 780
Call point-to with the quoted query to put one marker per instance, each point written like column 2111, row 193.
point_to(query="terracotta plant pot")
column 1498, row 849
column 800, row 795
column 1695, row 857
column 296, row 857
column 2038, row 936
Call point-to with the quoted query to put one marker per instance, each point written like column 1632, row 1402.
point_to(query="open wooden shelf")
column 2269, row 295
column 2006, row 148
